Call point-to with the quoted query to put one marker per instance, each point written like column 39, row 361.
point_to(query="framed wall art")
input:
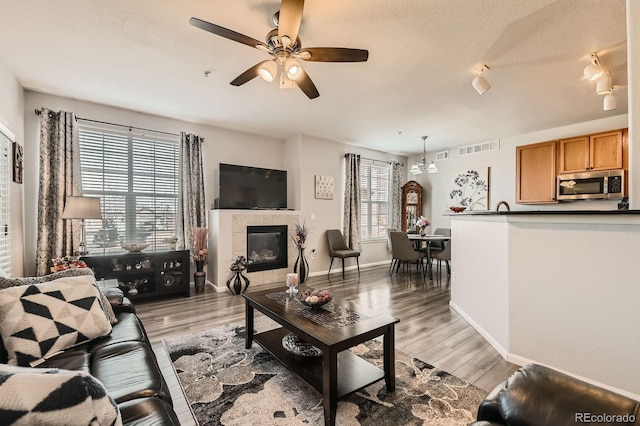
column 324, row 187
column 18, row 157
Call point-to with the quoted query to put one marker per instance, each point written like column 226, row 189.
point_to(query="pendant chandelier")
column 419, row 167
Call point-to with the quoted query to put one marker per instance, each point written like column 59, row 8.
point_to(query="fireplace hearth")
column 266, row 247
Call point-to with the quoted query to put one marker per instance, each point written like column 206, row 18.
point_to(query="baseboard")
column 497, row 346
column 520, row 360
column 349, row 268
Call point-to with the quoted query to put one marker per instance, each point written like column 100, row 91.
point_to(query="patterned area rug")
column 227, row 384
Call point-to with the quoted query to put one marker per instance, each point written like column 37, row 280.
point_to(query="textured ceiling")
column 144, row 56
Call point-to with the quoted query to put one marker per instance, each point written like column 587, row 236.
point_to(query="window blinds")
column 374, row 203
column 136, row 177
column 6, row 166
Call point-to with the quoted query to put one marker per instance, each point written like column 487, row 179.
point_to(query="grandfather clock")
column 411, row 205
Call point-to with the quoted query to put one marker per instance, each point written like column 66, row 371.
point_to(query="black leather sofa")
column 125, row 364
column 537, row 395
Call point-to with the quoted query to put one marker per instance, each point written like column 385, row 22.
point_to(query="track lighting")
column 268, row 71
column 610, row 103
column 594, row 70
column 479, row 82
column 419, row 167
column 603, row 86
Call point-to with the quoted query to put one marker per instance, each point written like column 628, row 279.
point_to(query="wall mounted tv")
column 243, row 187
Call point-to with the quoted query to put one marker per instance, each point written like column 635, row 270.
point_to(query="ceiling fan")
column 284, row 45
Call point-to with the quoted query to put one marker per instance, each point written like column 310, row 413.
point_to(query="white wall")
column 633, row 69
column 11, row 115
column 220, row 146
column 502, row 171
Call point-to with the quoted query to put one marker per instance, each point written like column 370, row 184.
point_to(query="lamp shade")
column 82, row 208
column 415, row 169
column 603, row 87
column 480, row 84
column 293, row 69
column 431, row 167
column 268, row 71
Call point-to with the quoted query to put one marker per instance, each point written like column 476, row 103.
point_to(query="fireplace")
column 266, row 247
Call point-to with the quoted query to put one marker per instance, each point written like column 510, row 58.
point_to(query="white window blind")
column 374, row 204
column 136, row 177
column 6, row 167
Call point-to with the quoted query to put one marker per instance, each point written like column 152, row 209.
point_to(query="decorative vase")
column 240, row 283
column 199, row 279
column 199, row 265
column 304, row 266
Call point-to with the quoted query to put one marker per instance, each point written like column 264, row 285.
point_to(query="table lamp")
column 82, row 208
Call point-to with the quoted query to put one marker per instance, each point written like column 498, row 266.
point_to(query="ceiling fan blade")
column 333, row 54
column 306, row 85
column 227, row 33
column 290, row 18
column 248, row 75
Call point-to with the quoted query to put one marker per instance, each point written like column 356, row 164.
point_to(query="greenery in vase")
column 238, row 264
column 299, row 236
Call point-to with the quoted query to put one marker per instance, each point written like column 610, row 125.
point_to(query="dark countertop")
column 543, row 212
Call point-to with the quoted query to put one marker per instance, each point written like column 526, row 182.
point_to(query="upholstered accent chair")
column 338, row 248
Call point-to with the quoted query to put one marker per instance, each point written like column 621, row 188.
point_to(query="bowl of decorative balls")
column 314, row 298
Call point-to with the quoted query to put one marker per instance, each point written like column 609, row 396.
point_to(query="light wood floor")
column 429, row 329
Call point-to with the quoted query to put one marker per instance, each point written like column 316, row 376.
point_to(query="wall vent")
column 442, row 155
column 481, row 147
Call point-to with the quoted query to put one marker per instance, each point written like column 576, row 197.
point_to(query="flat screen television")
column 243, row 187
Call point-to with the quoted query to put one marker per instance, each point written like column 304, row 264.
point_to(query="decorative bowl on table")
column 134, row 248
column 457, row 209
column 314, row 298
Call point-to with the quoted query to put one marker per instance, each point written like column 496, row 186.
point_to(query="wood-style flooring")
column 429, row 329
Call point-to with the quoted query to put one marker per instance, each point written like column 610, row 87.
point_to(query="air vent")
column 481, row 147
column 442, row 155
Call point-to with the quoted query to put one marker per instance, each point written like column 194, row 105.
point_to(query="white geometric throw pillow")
column 49, row 396
column 40, row 320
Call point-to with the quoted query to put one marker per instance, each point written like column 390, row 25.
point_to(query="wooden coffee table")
column 334, row 328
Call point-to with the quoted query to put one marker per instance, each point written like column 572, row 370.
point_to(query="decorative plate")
column 297, row 346
column 134, row 248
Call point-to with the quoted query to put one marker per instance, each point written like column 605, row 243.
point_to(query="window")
column 374, row 193
column 6, row 167
column 136, row 177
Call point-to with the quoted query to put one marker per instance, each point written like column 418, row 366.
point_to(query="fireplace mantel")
column 228, row 239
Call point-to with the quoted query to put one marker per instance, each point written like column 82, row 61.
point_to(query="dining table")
column 418, row 240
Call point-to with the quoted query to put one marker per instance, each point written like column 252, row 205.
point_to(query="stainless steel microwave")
column 607, row 184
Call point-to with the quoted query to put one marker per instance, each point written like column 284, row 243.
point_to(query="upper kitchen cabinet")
column 602, row 151
column 536, row 173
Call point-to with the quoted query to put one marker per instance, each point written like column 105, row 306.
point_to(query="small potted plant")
column 240, row 282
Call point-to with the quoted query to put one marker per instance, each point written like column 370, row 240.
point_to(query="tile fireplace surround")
column 228, row 239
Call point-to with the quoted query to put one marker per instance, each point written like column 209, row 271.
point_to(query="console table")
column 338, row 372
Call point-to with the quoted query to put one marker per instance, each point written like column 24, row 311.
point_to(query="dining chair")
column 393, row 259
column 445, row 255
column 339, row 248
column 403, row 251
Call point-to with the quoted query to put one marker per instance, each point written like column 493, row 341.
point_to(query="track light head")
column 479, row 82
column 594, row 70
column 610, row 103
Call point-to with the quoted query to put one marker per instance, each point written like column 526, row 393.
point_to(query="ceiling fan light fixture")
column 293, row 69
column 479, row 82
column 268, row 71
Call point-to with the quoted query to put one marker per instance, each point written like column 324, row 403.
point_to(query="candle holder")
column 292, row 281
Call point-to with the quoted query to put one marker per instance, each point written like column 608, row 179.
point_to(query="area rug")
column 227, row 384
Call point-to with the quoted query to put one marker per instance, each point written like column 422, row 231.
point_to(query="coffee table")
column 333, row 328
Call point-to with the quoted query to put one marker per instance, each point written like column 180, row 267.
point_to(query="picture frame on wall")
column 324, row 187
column 18, row 162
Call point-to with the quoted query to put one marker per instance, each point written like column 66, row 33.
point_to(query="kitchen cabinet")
column 141, row 275
column 411, row 204
column 601, row 151
column 536, row 173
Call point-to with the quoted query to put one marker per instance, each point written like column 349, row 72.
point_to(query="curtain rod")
column 376, row 161
column 38, row 112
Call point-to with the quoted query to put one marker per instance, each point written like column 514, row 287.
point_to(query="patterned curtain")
column 191, row 210
column 352, row 201
column 397, row 170
column 59, row 178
